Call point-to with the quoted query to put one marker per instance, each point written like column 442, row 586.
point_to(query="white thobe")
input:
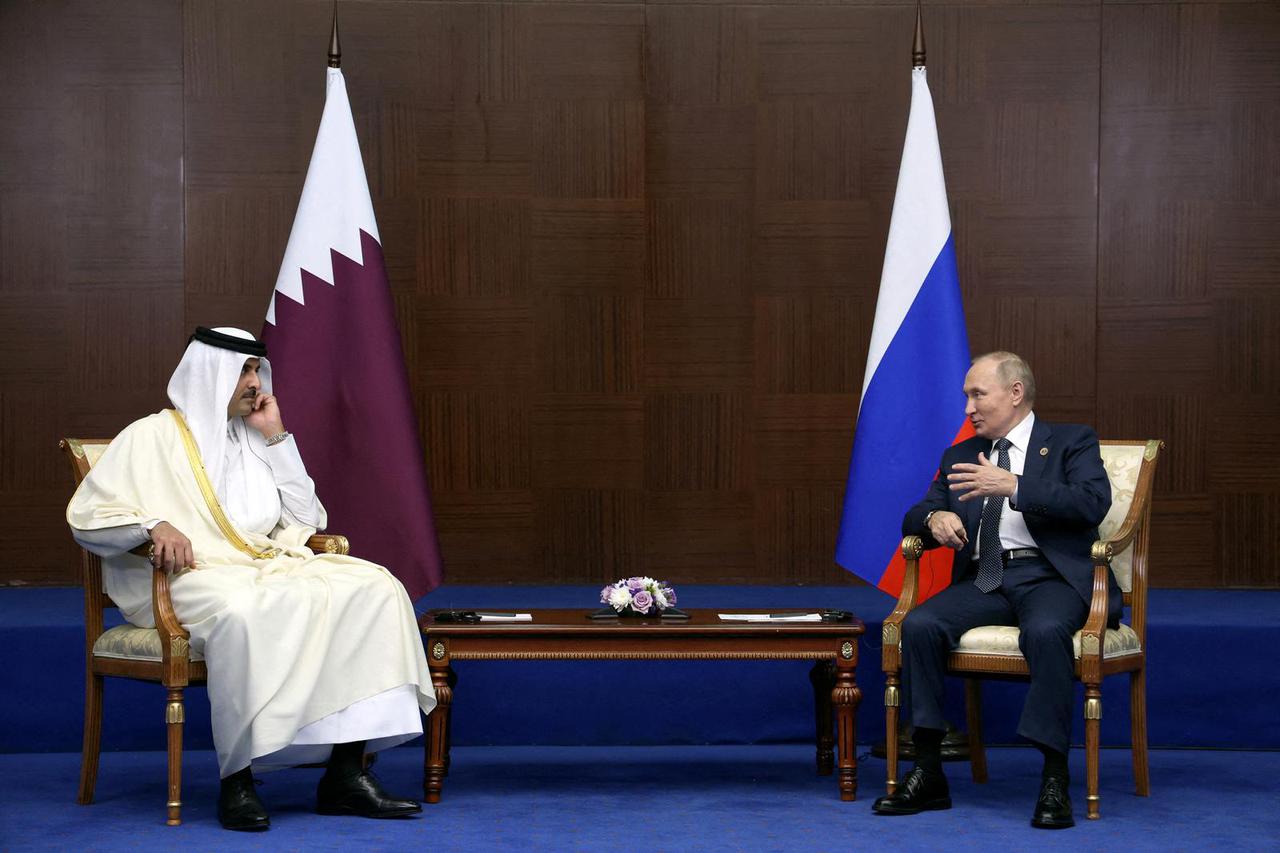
column 265, row 490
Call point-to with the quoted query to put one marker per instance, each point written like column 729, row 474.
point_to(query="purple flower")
column 641, row 601
column 604, row 594
column 669, row 594
column 635, row 584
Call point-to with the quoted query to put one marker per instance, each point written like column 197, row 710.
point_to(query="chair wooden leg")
column 891, row 701
column 1092, row 726
column 973, row 713
column 92, row 738
column 175, row 716
column 1138, row 730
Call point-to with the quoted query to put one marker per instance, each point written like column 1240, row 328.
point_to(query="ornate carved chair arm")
column 162, row 607
column 175, row 642
column 1093, row 635
column 329, row 543
column 166, row 620
column 891, row 632
column 1122, row 537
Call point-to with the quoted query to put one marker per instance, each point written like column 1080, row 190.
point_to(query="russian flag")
column 912, row 404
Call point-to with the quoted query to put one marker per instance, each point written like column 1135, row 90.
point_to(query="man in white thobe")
column 311, row 657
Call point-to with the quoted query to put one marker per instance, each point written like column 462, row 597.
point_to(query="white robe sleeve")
column 299, row 504
column 110, row 541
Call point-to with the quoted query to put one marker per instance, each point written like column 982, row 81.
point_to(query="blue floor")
column 649, row 798
column 648, row 756
column 1197, row 697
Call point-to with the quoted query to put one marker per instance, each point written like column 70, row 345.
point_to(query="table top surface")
column 704, row 622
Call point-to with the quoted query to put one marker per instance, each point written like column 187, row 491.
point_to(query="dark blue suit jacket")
column 1063, row 494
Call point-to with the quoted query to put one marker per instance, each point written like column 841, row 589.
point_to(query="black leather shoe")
column 919, row 791
column 238, row 805
column 1053, row 808
column 360, row 795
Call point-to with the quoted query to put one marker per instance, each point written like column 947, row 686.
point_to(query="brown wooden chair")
column 992, row 651
column 161, row 654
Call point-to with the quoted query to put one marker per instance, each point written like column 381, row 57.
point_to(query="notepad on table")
column 771, row 617
column 504, row 617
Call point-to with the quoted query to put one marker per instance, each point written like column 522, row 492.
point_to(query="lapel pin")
column 1044, row 451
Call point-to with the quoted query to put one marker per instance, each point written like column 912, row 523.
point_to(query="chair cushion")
column 129, row 642
column 1003, row 640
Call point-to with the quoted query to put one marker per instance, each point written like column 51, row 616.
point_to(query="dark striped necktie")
column 990, row 564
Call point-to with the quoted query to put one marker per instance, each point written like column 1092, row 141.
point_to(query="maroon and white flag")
column 337, row 365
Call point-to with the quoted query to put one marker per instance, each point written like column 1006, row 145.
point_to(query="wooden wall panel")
column 588, row 441
column 697, row 247
column 598, row 528
column 635, row 246
column 699, row 536
column 1189, row 218
column 91, row 288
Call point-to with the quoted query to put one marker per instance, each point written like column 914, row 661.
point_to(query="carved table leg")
column 823, row 679
column 448, row 722
column 846, row 696
column 437, row 740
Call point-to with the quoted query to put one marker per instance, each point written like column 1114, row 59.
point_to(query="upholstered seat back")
column 85, row 454
column 93, row 451
column 1123, row 462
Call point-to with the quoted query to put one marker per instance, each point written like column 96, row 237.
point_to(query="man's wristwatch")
column 930, row 516
column 277, row 438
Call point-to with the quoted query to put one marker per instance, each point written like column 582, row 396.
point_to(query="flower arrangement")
column 638, row 596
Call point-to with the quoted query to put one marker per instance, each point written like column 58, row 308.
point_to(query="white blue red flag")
column 338, row 368
column 912, row 404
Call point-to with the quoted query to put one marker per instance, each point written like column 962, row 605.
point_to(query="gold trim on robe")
column 211, row 497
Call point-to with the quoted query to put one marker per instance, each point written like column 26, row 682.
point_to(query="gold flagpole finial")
column 335, row 50
column 917, row 46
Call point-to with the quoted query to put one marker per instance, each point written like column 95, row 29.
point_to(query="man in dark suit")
column 1020, row 503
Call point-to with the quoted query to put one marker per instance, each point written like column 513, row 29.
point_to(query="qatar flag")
column 337, row 365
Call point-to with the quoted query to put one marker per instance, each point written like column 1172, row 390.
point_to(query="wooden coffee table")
column 570, row 635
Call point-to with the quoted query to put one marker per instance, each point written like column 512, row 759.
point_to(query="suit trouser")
column 1047, row 610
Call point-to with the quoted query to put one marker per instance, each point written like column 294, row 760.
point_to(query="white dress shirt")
column 1013, row 527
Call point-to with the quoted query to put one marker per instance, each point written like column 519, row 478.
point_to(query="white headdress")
column 201, row 387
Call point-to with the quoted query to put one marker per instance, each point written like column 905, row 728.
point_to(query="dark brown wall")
column 635, row 249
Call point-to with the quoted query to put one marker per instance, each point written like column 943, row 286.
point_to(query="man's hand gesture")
column 984, row 479
column 170, row 549
column 265, row 416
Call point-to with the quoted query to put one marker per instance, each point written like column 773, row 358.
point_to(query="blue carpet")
column 1197, row 696
column 648, row 798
